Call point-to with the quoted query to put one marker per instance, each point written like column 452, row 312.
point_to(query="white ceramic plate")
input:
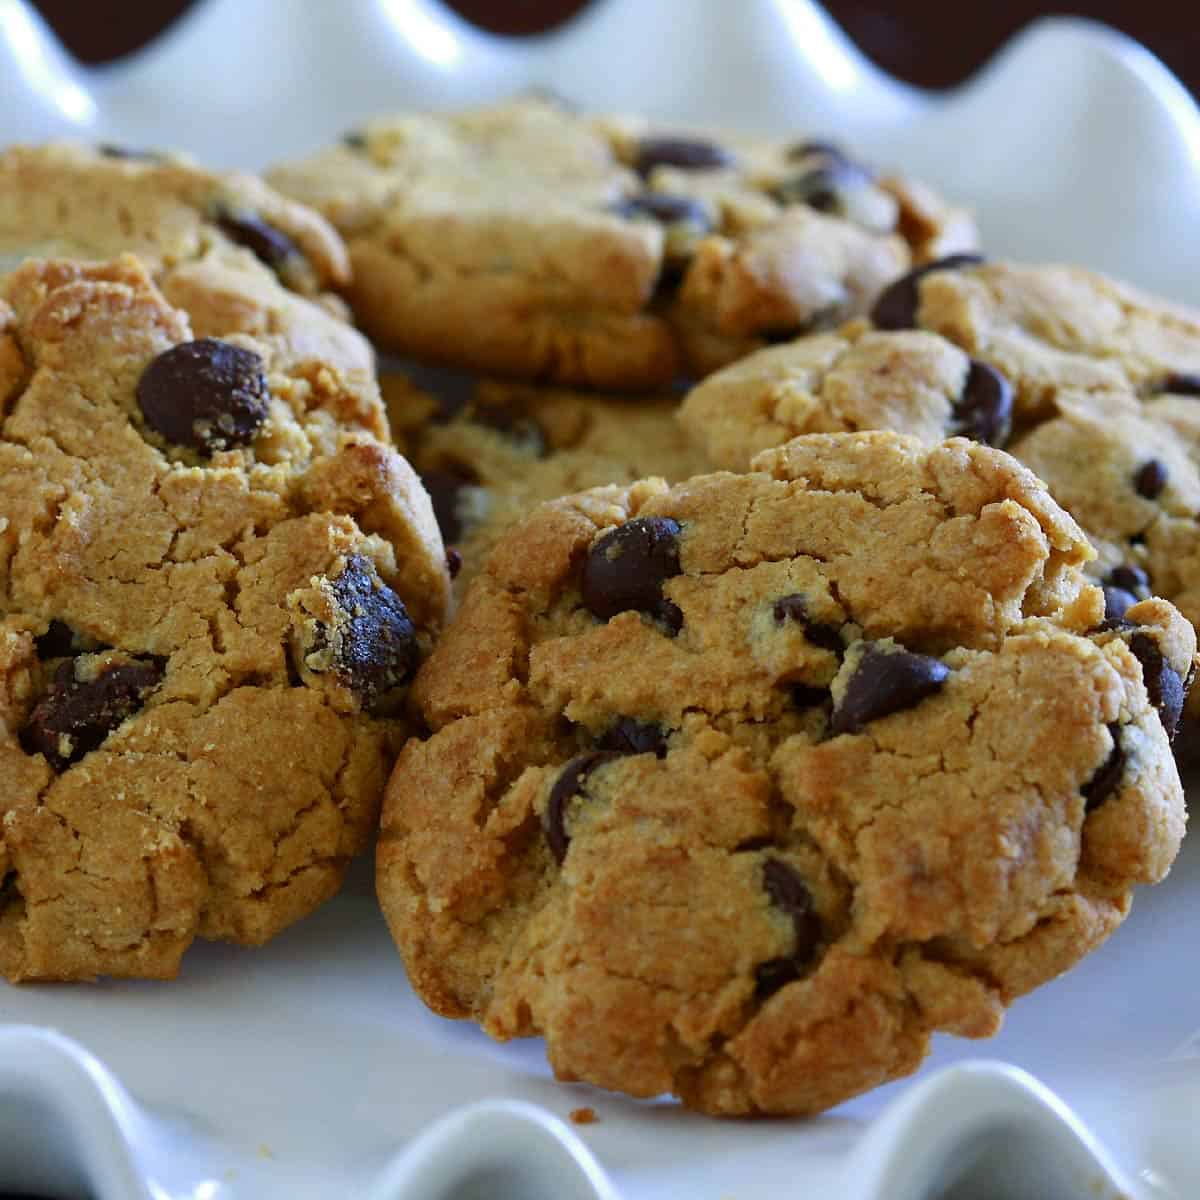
column 308, row 1069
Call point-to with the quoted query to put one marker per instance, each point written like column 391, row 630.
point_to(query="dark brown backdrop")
column 922, row 45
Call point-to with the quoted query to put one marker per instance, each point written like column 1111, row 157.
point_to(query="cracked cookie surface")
column 493, row 455
column 216, row 581
column 527, row 240
column 741, row 788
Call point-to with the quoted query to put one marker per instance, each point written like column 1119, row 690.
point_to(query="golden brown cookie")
column 742, row 788
column 215, row 583
column 491, row 454
column 527, row 240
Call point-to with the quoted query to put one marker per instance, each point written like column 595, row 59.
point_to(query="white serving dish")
column 308, row 1069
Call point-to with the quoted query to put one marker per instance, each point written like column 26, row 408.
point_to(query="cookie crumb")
column 584, row 1116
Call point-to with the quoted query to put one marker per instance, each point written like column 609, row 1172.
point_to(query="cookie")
column 741, row 788
column 531, row 241
column 234, row 254
column 488, row 457
column 973, row 349
column 217, row 581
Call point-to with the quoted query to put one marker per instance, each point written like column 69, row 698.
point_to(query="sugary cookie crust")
column 635, row 831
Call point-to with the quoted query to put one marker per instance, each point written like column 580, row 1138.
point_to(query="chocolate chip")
column 1108, row 775
column 984, row 410
column 57, row 642
column 788, row 893
column 268, row 244
column 445, row 486
column 627, row 736
column 666, row 209
column 1150, row 479
column 885, row 682
column 897, row 305
column 570, row 783
column 374, row 642
column 822, row 187
column 1130, row 578
column 1164, row 686
column 129, row 153
column 1182, row 383
column 814, row 149
column 75, row 716
column 208, row 395
column 1117, row 602
column 691, row 154
column 523, row 431
column 454, row 562
column 354, row 139
column 627, row 567
column 795, row 608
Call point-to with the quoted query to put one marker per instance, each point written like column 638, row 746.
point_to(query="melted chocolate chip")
column 268, row 244
column 571, row 783
column 789, row 894
column 57, row 642
column 1130, row 578
column 885, row 682
column 897, row 305
column 1164, row 686
column 444, row 486
column 1150, row 479
column 984, row 410
column 691, row 154
column 627, row 736
column 795, row 608
column 75, row 716
column 1108, row 775
column 1117, row 602
column 822, row 187
column 666, row 209
column 1182, row 383
column 208, row 395
column 627, row 567
column 375, row 644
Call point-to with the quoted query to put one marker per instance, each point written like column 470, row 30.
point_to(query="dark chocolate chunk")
column 627, row 567
column 375, row 648
column 1182, row 383
column 444, row 486
column 75, row 716
column 627, row 736
column 822, row 187
column 666, row 209
column 788, row 893
column 1164, row 686
column 691, row 154
column 984, row 410
column 269, row 245
column 1150, row 479
column 571, row 783
column 208, row 395
column 885, row 682
column 1117, row 602
column 1129, row 578
column 1108, row 775
column 795, row 608
column 897, row 305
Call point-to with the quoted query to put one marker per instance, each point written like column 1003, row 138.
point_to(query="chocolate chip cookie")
column 528, row 240
column 234, row 254
column 489, row 456
column 741, row 788
column 216, row 582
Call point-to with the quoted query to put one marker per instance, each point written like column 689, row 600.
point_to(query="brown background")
column 922, row 45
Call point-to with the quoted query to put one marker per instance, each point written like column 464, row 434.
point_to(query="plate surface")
column 308, row 1068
